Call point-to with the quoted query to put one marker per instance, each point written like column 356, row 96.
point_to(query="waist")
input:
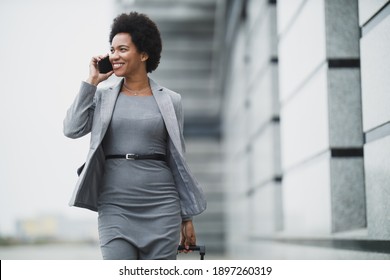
column 130, row 156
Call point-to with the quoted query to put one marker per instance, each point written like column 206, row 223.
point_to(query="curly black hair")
column 144, row 35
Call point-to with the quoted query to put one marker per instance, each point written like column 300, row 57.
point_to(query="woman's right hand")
column 95, row 77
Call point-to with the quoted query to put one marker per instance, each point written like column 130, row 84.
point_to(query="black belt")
column 138, row 157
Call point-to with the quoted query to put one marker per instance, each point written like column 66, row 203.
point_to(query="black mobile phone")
column 105, row 65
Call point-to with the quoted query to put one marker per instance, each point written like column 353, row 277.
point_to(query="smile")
column 117, row 65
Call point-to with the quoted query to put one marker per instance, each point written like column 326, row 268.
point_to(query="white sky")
column 45, row 50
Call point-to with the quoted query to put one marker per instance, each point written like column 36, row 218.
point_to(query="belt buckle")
column 130, row 156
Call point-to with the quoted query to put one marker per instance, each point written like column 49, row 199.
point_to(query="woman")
column 135, row 175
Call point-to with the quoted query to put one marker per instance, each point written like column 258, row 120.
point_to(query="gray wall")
column 375, row 62
column 306, row 125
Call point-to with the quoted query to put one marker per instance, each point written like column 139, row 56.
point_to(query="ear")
column 144, row 56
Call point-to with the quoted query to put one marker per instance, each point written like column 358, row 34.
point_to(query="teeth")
column 118, row 64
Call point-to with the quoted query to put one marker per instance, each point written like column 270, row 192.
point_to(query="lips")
column 117, row 65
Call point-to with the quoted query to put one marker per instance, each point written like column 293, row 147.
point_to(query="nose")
column 114, row 55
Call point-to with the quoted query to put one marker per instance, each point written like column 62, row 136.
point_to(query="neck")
column 135, row 83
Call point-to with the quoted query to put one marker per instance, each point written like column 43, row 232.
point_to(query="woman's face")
column 125, row 58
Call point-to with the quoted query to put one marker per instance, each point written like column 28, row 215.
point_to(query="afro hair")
column 144, row 35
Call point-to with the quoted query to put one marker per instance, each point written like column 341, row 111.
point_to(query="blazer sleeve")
column 79, row 117
column 180, row 118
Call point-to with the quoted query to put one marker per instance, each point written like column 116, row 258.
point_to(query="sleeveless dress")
column 138, row 201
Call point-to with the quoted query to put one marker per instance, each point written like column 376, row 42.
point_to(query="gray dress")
column 138, row 201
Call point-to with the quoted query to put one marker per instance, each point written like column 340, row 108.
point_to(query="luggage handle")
column 201, row 249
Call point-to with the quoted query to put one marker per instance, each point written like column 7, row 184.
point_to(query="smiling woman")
column 126, row 60
column 144, row 35
column 135, row 175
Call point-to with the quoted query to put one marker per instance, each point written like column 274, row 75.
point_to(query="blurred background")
column 286, row 122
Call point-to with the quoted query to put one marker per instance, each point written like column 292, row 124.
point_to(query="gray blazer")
column 91, row 111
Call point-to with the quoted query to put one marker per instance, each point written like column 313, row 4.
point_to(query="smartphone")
column 105, row 65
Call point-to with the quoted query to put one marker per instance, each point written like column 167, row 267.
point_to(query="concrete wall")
column 375, row 68
column 306, row 125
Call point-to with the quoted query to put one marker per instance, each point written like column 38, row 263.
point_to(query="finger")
column 100, row 57
column 95, row 59
column 193, row 240
column 94, row 62
column 107, row 75
column 187, row 247
column 191, row 237
column 182, row 241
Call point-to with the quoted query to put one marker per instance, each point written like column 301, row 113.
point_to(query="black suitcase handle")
column 201, row 249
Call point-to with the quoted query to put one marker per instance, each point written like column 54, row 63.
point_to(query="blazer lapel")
column 109, row 97
column 167, row 111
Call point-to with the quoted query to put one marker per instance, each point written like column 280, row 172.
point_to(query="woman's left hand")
column 188, row 236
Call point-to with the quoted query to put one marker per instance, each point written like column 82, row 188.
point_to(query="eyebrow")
column 120, row 46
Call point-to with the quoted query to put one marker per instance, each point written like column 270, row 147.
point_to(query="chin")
column 119, row 74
